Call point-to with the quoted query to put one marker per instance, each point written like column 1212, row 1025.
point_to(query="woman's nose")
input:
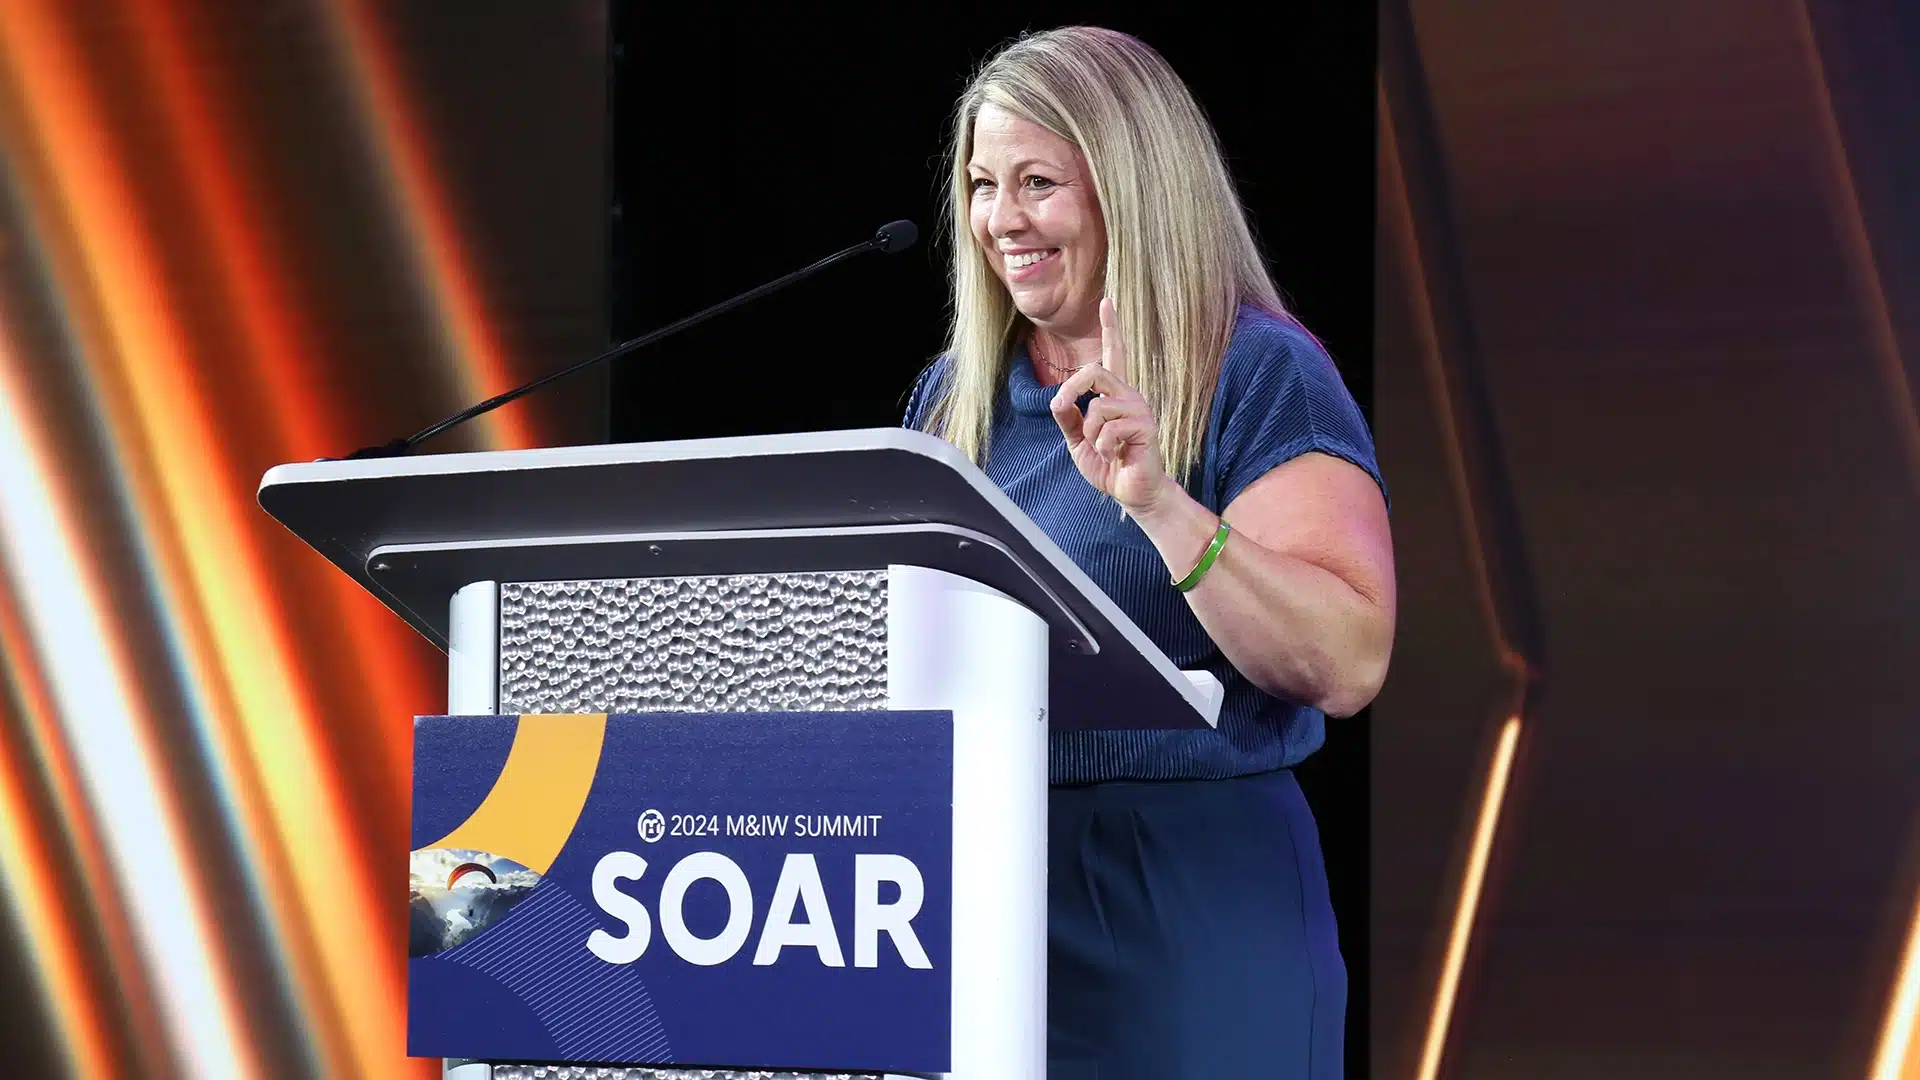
column 1007, row 216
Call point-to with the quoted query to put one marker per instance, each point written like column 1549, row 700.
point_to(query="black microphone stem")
column 889, row 239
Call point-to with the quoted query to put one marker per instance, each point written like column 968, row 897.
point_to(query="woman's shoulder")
column 925, row 390
column 1280, row 395
column 935, row 377
column 1266, row 344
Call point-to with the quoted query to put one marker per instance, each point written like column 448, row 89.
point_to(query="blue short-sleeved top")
column 1279, row 396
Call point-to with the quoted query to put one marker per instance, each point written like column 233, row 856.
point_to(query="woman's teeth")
column 1026, row 259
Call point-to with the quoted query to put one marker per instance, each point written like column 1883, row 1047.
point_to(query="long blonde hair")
column 1180, row 256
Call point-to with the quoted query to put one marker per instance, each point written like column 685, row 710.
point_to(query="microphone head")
column 895, row 236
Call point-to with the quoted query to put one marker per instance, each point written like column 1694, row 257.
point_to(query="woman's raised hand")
column 1116, row 444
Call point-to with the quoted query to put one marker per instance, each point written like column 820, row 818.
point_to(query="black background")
column 743, row 148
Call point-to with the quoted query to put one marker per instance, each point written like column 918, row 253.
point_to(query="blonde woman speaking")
column 1121, row 365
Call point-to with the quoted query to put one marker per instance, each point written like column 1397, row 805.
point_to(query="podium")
column 741, row 622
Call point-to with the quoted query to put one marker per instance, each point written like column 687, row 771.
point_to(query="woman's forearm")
column 1296, row 629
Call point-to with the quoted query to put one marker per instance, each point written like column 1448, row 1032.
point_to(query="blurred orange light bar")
column 197, row 525
column 423, row 207
column 306, row 420
column 289, row 798
column 1898, row 1056
column 27, row 843
column 1469, row 904
column 101, row 716
column 48, row 931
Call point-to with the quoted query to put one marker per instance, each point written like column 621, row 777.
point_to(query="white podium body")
column 820, row 572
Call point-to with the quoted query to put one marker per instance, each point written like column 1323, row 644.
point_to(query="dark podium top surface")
column 412, row 530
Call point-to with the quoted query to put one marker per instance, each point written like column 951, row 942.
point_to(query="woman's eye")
column 1039, row 183
column 979, row 183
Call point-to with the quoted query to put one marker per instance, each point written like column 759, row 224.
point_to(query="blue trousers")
column 1190, row 934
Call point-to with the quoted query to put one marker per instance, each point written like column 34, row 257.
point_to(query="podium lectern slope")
column 805, row 576
column 413, row 530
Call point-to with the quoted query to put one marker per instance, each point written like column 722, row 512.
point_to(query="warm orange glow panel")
column 266, row 698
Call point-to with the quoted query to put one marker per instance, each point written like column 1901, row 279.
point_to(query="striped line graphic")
column 539, row 952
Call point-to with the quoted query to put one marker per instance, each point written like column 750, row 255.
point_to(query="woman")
column 1220, row 485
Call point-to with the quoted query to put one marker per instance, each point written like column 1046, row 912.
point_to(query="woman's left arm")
column 1301, row 597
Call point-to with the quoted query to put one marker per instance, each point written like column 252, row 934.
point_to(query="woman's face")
column 1035, row 215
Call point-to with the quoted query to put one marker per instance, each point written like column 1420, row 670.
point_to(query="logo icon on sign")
column 653, row 826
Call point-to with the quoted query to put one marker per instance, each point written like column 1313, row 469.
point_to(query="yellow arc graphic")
column 541, row 790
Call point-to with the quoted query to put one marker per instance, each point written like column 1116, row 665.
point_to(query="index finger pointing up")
column 1113, row 346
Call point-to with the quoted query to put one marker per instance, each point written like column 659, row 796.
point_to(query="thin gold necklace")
column 1033, row 346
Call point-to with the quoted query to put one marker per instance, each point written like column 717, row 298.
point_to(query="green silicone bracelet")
column 1187, row 583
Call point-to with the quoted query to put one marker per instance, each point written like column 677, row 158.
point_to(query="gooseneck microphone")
column 892, row 238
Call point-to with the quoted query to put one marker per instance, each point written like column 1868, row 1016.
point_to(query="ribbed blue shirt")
column 1279, row 396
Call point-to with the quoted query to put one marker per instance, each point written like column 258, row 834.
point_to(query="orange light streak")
column 1468, row 906
column 73, row 991
column 1897, row 1057
column 197, row 526
column 306, row 417
column 352, row 1002
column 422, row 206
column 27, row 846
column 50, row 936
column 72, row 678
column 76, row 992
column 1518, row 667
column 200, row 1009
column 95, row 976
column 1850, row 220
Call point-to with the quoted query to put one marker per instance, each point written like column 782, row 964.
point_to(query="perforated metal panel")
column 742, row 643
column 803, row 642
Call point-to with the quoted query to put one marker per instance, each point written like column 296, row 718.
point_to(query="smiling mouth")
column 1026, row 259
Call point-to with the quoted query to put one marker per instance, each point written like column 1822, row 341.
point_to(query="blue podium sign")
column 768, row 890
